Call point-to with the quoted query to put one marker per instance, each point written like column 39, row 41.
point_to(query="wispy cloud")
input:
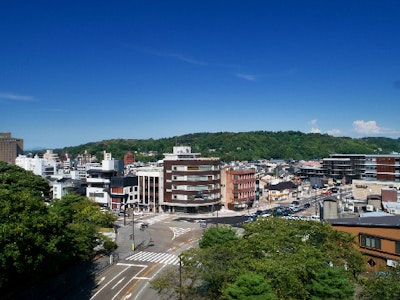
column 254, row 77
column 15, row 97
column 315, row 130
column 372, row 128
column 185, row 59
column 176, row 56
column 334, row 131
column 314, row 126
column 249, row 77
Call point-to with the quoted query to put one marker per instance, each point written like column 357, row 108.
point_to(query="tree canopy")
column 254, row 145
column 39, row 239
column 273, row 258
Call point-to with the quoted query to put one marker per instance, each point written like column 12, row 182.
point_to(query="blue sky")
column 73, row 72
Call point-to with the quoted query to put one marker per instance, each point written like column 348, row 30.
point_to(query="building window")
column 370, row 242
column 397, row 247
column 235, row 186
column 235, row 177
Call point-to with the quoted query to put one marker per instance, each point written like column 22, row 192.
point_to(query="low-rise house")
column 378, row 237
column 281, row 191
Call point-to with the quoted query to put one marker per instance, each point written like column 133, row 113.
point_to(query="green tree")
column 383, row 285
column 295, row 259
column 78, row 220
column 330, row 283
column 249, row 287
column 23, row 214
column 220, row 235
column 38, row 240
column 243, row 145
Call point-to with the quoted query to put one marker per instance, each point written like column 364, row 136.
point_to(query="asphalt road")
column 161, row 243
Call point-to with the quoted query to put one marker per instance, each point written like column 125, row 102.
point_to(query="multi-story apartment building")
column 151, row 189
column 191, row 183
column 348, row 167
column 382, row 167
column 98, row 186
column 10, row 147
column 99, row 180
column 238, row 187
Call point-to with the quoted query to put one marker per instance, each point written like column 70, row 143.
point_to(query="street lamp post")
column 133, row 228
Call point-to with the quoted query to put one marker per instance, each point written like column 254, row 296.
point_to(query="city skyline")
column 78, row 72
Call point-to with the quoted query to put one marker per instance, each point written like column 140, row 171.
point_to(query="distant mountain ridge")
column 35, row 149
column 253, row 145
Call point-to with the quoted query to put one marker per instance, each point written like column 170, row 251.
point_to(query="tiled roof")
column 282, row 186
column 386, row 221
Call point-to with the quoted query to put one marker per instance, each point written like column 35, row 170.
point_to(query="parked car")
column 295, row 206
column 295, row 209
column 282, row 211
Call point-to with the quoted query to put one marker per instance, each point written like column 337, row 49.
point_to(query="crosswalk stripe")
column 161, row 257
column 154, row 258
column 171, row 261
column 164, row 258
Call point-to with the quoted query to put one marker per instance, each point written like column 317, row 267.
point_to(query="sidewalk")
column 124, row 238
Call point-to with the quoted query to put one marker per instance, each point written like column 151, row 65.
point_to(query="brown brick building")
column 238, row 188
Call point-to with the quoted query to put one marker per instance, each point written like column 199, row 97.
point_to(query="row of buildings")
column 182, row 182
column 186, row 182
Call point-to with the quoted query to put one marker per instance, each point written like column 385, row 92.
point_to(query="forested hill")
column 242, row 146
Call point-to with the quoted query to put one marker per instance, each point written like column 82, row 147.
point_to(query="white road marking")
column 122, row 279
column 164, row 258
column 179, row 231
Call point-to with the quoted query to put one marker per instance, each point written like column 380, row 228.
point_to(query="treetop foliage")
column 243, row 146
column 38, row 240
column 273, row 258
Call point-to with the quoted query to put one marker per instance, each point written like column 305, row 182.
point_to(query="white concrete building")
column 39, row 166
column 151, row 188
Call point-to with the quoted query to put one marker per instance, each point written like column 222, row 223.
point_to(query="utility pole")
column 180, row 278
column 217, row 215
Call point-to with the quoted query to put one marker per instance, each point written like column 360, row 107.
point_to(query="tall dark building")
column 10, row 147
